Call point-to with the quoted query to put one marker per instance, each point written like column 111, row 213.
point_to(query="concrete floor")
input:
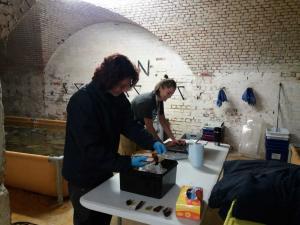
column 43, row 210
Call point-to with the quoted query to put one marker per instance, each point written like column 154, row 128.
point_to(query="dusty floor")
column 43, row 210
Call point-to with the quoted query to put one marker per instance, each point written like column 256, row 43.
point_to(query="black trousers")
column 82, row 215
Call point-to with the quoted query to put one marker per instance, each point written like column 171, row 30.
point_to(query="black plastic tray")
column 150, row 184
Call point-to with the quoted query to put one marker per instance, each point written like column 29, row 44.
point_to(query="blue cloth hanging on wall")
column 249, row 96
column 221, row 98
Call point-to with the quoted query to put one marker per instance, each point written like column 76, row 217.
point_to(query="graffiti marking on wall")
column 78, row 85
column 140, row 66
column 178, row 87
column 65, row 88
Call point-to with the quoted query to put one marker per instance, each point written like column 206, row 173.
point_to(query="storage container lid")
column 280, row 132
column 275, row 137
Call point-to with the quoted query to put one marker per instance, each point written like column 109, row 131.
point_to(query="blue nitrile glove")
column 159, row 147
column 138, row 161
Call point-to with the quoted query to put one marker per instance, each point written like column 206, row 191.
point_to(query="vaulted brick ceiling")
column 47, row 25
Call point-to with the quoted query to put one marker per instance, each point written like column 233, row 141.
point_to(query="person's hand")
column 170, row 143
column 174, row 142
column 180, row 142
column 159, row 147
column 138, row 161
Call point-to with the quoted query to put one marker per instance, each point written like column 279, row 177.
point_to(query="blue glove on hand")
column 159, row 147
column 138, row 161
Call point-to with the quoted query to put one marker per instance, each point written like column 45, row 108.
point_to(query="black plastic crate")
column 150, row 184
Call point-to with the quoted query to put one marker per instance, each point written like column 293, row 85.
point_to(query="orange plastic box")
column 189, row 208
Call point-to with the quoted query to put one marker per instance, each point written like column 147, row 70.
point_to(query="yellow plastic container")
column 230, row 220
column 186, row 208
column 295, row 158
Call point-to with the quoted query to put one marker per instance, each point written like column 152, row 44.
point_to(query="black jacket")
column 95, row 120
column 266, row 191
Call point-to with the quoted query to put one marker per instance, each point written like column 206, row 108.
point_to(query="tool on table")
column 148, row 208
column 129, row 202
column 167, row 211
column 158, row 208
column 140, row 205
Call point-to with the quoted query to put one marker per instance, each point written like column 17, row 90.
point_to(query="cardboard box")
column 189, row 208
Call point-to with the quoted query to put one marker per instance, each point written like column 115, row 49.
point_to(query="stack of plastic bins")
column 277, row 144
column 208, row 134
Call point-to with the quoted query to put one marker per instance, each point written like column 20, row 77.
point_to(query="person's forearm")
column 152, row 131
column 167, row 129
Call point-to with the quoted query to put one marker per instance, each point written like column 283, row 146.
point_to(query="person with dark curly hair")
column 96, row 116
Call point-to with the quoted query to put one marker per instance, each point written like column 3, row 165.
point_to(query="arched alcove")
column 73, row 63
column 54, row 49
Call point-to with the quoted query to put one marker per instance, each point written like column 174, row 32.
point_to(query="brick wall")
column 209, row 33
column 46, row 27
column 4, row 197
column 10, row 13
column 232, row 44
column 66, row 72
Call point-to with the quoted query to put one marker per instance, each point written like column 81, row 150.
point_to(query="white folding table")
column 108, row 198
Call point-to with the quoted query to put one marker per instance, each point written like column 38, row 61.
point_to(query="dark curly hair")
column 114, row 69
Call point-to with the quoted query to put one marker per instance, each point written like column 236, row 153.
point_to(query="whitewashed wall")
column 235, row 44
column 74, row 62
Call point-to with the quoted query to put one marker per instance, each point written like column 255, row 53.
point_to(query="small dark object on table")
column 158, row 208
column 149, row 207
column 167, row 211
column 129, row 202
column 140, row 205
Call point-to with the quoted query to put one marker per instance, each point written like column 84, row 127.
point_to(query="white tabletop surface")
column 108, row 198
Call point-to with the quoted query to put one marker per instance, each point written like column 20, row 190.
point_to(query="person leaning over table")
column 149, row 107
column 96, row 116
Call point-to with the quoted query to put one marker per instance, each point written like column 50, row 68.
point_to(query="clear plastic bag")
column 250, row 143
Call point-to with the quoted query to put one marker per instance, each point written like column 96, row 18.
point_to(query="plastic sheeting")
column 251, row 138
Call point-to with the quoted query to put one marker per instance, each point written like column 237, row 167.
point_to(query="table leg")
column 119, row 220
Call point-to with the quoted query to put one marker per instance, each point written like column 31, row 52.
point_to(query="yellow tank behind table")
column 230, row 220
column 295, row 155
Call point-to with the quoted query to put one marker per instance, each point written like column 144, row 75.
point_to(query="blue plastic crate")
column 276, row 144
column 277, row 149
column 281, row 155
